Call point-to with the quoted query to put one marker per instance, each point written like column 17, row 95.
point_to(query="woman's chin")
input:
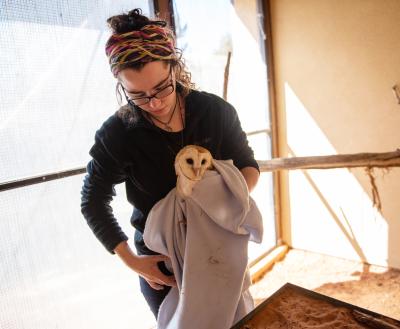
column 160, row 114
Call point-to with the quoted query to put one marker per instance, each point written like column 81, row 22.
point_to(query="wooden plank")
column 258, row 270
column 382, row 160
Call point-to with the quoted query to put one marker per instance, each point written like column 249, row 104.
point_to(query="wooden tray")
column 295, row 307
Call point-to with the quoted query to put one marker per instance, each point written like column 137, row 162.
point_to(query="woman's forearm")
column 124, row 251
column 96, row 195
column 251, row 176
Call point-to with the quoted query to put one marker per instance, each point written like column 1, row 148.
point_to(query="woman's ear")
column 118, row 88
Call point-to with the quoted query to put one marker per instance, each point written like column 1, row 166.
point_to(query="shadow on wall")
column 331, row 211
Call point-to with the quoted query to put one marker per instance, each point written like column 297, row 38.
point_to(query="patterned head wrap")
column 151, row 42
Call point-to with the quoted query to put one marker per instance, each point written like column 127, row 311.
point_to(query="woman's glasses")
column 164, row 92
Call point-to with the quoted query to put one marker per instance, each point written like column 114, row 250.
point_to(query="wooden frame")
column 274, row 120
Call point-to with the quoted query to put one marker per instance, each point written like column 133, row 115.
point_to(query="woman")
column 138, row 144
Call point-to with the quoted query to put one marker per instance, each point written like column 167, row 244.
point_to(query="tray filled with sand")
column 295, row 307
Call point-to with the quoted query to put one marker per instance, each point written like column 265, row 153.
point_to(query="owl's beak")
column 197, row 172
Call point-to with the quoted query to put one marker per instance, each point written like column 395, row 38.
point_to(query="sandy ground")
column 371, row 287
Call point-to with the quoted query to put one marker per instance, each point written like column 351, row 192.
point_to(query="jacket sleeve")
column 235, row 145
column 104, row 171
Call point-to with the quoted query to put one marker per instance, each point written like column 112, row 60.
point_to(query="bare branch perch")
column 226, row 75
column 381, row 160
column 367, row 160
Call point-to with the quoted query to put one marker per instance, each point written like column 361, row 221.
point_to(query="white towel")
column 206, row 238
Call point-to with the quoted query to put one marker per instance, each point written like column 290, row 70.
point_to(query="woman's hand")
column 146, row 266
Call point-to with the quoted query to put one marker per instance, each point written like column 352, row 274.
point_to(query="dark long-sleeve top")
column 142, row 156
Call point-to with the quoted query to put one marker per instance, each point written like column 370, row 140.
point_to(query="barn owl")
column 190, row 165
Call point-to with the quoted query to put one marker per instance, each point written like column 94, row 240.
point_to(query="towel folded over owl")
column 205, row 234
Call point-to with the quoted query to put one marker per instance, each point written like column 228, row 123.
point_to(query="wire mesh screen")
column 55, row 91
column 54, row 273
column 55, row 85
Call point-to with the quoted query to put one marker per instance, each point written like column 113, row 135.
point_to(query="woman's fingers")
column 163, row 279
column 161, row 258
column 154, row 285
column 151, row 273
column 169, row 280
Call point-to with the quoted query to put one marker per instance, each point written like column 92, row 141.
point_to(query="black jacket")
column 142, row 155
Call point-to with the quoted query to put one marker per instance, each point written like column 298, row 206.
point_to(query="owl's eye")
column 203, row 161
column 189, row 161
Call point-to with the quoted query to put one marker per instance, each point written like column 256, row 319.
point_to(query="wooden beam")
column 258, row 270
column 163, row 9
column 381, row 160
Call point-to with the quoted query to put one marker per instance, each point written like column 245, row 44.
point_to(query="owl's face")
column 192, row 161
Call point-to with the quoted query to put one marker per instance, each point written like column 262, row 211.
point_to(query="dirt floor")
column 371, row 287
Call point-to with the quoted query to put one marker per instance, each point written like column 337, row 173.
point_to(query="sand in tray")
column 290, row 309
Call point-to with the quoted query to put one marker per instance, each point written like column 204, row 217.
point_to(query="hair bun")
column 132, row 21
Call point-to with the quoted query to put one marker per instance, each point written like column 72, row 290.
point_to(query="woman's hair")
column 126, row 24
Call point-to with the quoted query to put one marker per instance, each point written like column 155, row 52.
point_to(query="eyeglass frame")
column 131, row 101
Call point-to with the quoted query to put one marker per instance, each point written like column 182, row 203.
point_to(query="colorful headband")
column 151, row 42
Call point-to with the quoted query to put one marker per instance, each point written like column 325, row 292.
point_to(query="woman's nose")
column 154, row 103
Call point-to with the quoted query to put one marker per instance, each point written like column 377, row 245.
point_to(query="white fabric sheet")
column 206, row 238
